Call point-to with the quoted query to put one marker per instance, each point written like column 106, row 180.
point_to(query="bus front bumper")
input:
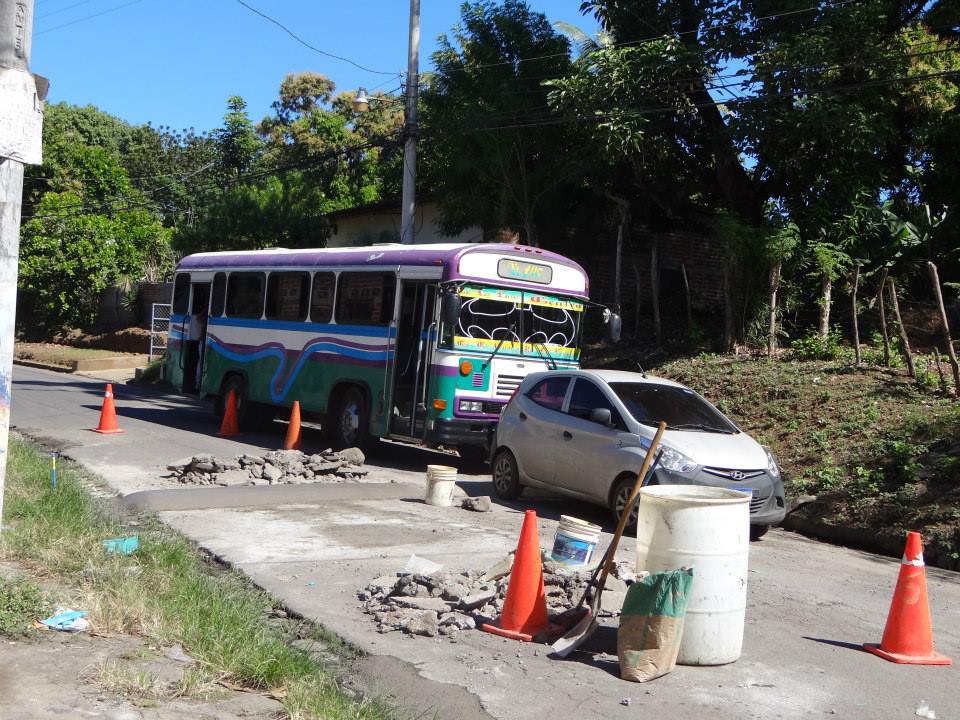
column 460, row 432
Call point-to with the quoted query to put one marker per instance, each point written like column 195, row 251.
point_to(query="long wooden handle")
column 651, row 451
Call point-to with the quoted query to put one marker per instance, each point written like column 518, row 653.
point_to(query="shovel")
column 575, row 636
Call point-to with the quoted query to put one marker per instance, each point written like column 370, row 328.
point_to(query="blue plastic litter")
column 123, row 546
column 67, row 621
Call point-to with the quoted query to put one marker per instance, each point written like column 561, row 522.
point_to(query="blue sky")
column 175, row 62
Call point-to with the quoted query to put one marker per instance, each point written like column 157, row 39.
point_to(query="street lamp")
column 361, row 103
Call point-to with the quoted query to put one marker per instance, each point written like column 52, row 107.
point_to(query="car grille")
column 757, row 503
column 506, row 384
column 734, row 474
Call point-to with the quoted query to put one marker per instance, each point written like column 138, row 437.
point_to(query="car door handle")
column 523, row 416
column 567, row 435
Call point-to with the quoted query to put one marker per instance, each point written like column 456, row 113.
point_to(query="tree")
column 68, row 256
column 496, row 157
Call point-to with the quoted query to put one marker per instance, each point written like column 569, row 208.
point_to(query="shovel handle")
column 611, row 551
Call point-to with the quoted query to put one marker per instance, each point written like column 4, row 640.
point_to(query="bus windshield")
column 528, row 323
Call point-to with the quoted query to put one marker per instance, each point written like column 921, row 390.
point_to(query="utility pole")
column 408, row 210
column 21, row 126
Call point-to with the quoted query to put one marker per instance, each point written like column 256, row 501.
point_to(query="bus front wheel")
column 349, row 420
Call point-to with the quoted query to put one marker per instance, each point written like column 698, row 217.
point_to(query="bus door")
column 195, row 337
column 416, row 326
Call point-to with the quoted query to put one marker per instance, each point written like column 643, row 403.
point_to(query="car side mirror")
column 450, row 308
column 614, row 324
column 602, row 416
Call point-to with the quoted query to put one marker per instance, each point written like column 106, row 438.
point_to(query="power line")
column 303, row 42
column 133, row 202
column 655, row 38
column 61, row 10
column 89, row 17
column 735, row 101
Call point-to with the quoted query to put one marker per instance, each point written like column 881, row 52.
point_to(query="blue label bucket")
column 575, row 541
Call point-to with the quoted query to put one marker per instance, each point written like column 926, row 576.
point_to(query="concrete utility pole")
column 21, row 126
column 408, row 210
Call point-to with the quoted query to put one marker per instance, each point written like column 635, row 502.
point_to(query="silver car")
column 584, row 433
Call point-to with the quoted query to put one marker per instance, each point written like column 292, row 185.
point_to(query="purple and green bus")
column 418, row 343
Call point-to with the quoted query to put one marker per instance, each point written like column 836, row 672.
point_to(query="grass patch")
column 61, row 355
column 21, row 602
column 165, row 592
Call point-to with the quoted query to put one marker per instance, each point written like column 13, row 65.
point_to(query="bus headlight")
column 470, row 406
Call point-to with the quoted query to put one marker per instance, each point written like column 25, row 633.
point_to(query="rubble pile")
column 277, row 467
column 447, row 603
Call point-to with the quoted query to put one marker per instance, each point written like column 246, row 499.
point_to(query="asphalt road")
column 810, row 605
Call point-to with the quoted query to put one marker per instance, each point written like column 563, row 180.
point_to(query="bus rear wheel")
column 349, row 420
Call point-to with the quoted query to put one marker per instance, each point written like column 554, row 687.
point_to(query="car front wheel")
column 506, row 477
column 618, row 501
column 758, row 531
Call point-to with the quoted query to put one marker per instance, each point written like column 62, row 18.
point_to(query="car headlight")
column 471, row 406
column 772, row 467
column 676, row 461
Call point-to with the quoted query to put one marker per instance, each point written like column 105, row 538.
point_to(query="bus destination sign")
column 520, row 270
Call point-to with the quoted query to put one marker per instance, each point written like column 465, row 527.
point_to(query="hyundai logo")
column 737, row 475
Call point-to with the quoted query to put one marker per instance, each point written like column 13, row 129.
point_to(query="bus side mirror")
column 614, row 324
column 450, row 308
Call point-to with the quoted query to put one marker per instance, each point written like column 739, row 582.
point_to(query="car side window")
column 549, row 393
column 587, row 397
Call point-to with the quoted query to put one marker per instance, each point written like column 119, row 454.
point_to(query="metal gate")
column 159, row 327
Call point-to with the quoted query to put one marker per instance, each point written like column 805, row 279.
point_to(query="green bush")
column 813, row 347
column 21, row 602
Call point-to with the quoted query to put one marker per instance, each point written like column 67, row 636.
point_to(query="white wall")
column 383, row 225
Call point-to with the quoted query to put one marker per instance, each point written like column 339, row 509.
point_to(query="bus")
column 417, row 343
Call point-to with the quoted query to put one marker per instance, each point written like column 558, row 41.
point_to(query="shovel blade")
column 574, row 637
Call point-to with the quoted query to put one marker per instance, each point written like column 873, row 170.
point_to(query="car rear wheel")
column 618, row 501
column 506, row 477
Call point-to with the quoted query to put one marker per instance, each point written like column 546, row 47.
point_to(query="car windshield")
column 679, row 407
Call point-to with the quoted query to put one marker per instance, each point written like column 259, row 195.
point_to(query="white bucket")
column 707, row 529
column 574, row 541
column 441, row 480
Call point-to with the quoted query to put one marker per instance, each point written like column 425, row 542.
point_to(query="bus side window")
column 219, row 299
column 181, row 294
column 245, row 295
column 366, row 298
column 287, row 294
column 321, row 303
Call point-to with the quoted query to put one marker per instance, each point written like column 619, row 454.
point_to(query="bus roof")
column 567, row 276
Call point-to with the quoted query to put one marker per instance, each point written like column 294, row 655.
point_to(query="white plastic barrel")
column 441, row 480
column 707, row 529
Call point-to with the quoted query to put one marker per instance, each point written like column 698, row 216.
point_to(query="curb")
column 863, row 539
column 93, row 365
column 44, row 366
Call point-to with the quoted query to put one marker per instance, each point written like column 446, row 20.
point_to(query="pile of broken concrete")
column 278, row 467
column 448, row 603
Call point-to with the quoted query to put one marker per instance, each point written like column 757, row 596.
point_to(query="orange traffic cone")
column 294, row 435
column 108, row 415
column 230, row 425
column 908, row 636
column 525, row 607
